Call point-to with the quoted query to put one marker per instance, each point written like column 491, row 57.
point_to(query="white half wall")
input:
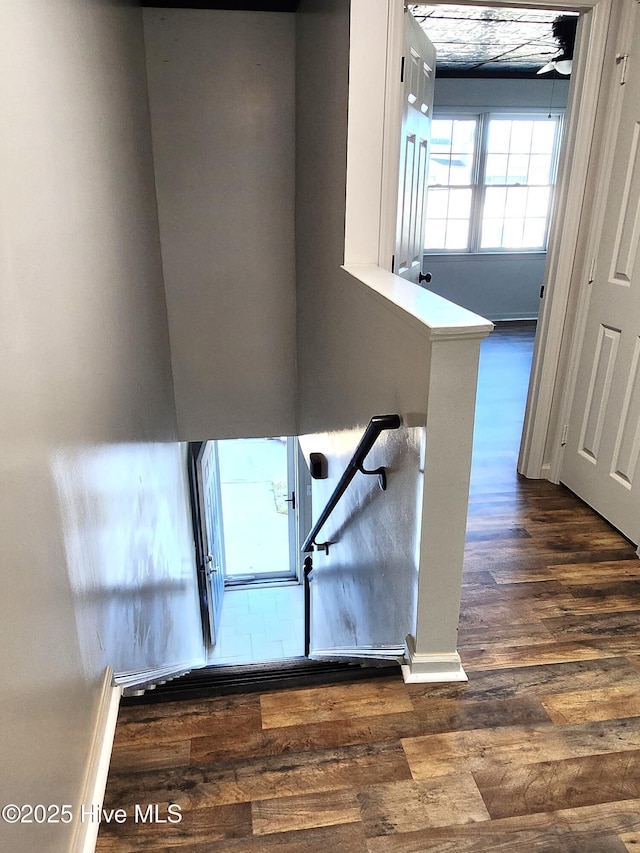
column 221, row 92
column 97, row 563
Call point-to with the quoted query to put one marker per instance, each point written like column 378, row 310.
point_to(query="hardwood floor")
column 539, row 751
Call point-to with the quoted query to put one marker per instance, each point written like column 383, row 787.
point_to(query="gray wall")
column 499, row 287
column 495, row 286
column 510, row 94
column 221, row 91
column 96, row 553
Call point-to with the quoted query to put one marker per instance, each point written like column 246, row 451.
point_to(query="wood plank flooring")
column 539, row 751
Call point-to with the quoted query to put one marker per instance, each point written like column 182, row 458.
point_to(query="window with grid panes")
column 491, row 178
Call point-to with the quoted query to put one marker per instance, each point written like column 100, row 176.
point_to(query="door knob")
column 426, row 277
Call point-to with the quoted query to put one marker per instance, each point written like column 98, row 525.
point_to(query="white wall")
column 364, row 590
column 500, row 287
column 221, row 90
column 96, row 552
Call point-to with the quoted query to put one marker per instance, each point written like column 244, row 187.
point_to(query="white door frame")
column 612, row 98
column 566, row 258
column 612, row 105
column 372, row 204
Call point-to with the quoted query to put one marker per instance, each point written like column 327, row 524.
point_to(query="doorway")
column 598, row 18
column 251, row 511
column 542, row 434
column 258, row 509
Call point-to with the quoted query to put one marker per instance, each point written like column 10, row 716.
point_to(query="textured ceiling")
column 479, row 40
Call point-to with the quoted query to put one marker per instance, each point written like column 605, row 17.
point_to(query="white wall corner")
column 97, row 770
column 365, row 135
column 424, row 668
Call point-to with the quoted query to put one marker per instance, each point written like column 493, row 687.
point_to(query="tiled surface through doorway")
column 260, row 624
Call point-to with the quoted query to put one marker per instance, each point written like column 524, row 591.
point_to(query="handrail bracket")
column 381, row 472
column 377, row 424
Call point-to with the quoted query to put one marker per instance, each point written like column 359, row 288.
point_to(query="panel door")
column 419, row 68
column 603, row 438
column 212, row 533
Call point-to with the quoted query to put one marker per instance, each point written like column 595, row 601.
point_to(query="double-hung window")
column 491, row 179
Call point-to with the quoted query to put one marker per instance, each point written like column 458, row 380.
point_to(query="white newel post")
column 453, row 371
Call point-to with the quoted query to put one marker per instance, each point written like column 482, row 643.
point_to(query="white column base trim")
column 424, row 668
column 97, row 770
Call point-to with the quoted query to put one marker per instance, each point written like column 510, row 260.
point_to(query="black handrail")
column 377, row 424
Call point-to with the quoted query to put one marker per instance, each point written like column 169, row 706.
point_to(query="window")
column 490, row 182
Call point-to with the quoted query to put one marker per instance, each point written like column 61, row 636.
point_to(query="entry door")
column 260, row 502
column 603, row 439
column 419, row 69
column 212, row 533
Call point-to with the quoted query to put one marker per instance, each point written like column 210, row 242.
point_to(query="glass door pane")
column 257, row 509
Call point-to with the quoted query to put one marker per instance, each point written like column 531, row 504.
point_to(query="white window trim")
column 478, row 187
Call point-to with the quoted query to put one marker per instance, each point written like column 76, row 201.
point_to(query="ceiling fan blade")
column 546, row 68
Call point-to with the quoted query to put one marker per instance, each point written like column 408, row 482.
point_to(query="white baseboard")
column 95, row 780
column 431, row 668
column 545, row 472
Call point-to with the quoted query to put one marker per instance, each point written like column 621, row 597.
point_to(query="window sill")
column 474, row 256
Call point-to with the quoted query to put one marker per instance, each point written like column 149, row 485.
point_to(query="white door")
column 419, row 69
column 212, row 533
column 603, row 437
